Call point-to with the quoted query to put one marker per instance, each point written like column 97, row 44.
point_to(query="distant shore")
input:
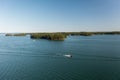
column 61, row 35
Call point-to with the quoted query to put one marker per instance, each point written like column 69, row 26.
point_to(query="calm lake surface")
column 94, row 58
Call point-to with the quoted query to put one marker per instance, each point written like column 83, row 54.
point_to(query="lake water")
column 94, row 58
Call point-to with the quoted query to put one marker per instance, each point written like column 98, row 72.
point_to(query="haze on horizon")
column 59, row 15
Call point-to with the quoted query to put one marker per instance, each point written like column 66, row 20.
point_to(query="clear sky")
column 59, row 15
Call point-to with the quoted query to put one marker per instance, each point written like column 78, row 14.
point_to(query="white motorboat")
column 68, row 55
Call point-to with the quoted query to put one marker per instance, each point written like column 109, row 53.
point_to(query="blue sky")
column 59, row 15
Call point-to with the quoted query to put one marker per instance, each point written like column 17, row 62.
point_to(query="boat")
column 68, row 55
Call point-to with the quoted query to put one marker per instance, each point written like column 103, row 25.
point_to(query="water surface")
column 94, row 58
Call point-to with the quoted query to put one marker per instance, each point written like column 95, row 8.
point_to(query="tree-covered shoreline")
column 60, row 35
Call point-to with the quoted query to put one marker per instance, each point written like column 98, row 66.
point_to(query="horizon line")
column 57, row 32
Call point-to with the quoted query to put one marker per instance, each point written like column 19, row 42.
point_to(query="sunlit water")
column 94, row 58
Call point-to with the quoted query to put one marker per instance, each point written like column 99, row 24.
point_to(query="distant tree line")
column 16, row 34
column 61, row 35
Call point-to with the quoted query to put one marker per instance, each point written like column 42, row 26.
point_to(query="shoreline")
column 60, row 36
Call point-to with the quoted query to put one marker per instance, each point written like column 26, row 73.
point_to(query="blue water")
column 94, row 58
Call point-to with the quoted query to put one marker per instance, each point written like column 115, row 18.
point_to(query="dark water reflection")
column 94, row 58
